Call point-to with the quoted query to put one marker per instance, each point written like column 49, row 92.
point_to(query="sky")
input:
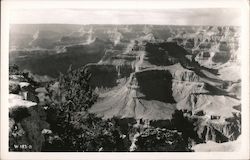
column 204, row 16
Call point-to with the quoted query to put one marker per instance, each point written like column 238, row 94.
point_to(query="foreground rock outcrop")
column 27, row 119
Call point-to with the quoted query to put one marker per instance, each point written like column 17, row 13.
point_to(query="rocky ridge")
column 153, row 88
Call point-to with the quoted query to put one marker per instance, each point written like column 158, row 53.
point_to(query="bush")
column 185, row 125
column 75, row 89
column 156, row 140
column 77, row 129
column 19, row 113
column 27, row 127
column 85, row 132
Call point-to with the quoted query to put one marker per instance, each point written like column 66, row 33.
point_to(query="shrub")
column 19, row 113
column 156, row 139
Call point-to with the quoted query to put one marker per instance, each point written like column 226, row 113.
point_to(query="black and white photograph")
column 125, row 80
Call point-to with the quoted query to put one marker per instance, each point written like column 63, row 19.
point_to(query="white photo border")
column 7, row 6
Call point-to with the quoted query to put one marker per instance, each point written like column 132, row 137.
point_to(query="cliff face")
column 103, row 75
column 214, row 47
column 161, row 77
column 217, row 117
column 142, row 97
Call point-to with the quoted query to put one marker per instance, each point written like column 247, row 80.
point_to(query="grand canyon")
column 124, row 88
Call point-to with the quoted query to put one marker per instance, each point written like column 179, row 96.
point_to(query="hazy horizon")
column 195, row 25
column 183, row 17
